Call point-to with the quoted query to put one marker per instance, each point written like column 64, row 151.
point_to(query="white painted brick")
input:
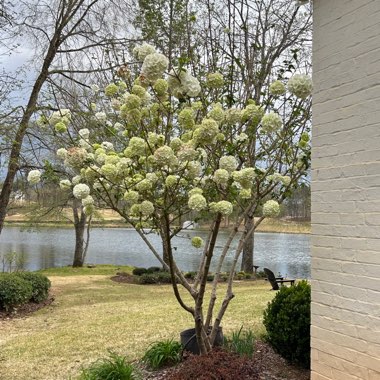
column 346, row 191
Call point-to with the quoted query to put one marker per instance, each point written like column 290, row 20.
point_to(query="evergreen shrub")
column 14, row 291
column 287, row 321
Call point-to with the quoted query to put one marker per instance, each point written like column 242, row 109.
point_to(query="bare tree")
column 64, row 34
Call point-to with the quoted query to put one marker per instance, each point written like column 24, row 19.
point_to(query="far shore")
column 108, row 220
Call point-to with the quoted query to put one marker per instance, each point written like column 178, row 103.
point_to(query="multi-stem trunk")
column 248, row 250
column 79, row 226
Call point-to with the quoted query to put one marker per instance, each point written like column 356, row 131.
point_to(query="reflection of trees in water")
column 285, row 253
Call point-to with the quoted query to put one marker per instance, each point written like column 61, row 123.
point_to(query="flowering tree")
column 252, row 43
column 171, row 151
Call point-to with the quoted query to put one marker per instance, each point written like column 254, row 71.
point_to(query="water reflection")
column 288, row 254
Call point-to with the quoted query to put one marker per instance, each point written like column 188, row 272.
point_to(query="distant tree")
column 63, row 35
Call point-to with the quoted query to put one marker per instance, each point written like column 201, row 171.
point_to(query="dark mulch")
column 24, row 310
column 222, row 365
column 125, row 278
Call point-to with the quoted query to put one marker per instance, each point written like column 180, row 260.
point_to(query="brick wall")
column 346, row 190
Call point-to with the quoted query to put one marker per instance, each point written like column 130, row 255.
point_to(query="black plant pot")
column 189, row 340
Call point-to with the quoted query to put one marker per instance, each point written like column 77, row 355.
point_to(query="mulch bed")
column 222, row 365
column 24, row 310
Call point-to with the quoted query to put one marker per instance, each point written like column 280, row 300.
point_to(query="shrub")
column 287, row 321
column 14, row 291
column 40, row 284
column 210, row 277
column 139, row 271
column 160, row 354
column 114, row 368
column 241, row 342
column 154, row 269
column 190, row 275
column 164, row 277
column 148, row 278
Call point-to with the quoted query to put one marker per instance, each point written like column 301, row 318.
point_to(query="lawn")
column 92, row 314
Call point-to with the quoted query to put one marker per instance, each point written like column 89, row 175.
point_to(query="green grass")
column 92, row 314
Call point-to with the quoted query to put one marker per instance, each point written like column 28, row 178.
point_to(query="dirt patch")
column 266, row 364
column 26, row 309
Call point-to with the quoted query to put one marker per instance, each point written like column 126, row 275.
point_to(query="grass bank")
column 92, row 314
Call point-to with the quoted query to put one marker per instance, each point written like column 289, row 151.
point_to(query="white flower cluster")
column 164, row 156
column 62, row 153
column 65, row 184
column 271, row 122
column 233, row 115
column 34, row 177
column 131, row 196
column 197, row 202
column 300, row 85
column 81, row 191
column 141, row 51
column 146, row 208
column 84, row 133
column 88, row 201
column 206, row 132
column 60, row 120
column 228, row 163
column 244, row 177
column 277, row 88
column 101, row 117
column 224, row 207
column 252, row 113
column 197, row 242
column 215, row 80
column 221, row 177
column 154, row 67
column 271, row 209
column 182, row 83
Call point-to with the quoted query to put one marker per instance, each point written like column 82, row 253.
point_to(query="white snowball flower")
column 107, row 146
column 65, row 184
column 34, row 177
column 271, row 122
column 62, row 153
column 88, row 201
column 101, row 117
column 141, row 51
column 84, row 133
column 154, row 66
column 271, row 209
column 76, row 179
column 300, row 85
column 197, row 202
column 81, row 191
column 228, row 163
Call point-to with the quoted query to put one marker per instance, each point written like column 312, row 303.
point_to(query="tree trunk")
column 247, row 257
column 79, row 225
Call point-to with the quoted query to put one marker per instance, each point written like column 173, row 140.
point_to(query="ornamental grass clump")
column 115, row 367
column 173, row 150
column 165, row 353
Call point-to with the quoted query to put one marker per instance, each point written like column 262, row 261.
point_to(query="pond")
column 288, row 254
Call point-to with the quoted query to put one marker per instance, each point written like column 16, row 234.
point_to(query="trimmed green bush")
column 114, row 368
column 14, row 291
column 155, row 278
column 154, row 269
column 40, row 284
column 165, row 353
column 287, row 321
column 148, row 278
column 190, row 275
column 164, row 277
column 139, row 271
